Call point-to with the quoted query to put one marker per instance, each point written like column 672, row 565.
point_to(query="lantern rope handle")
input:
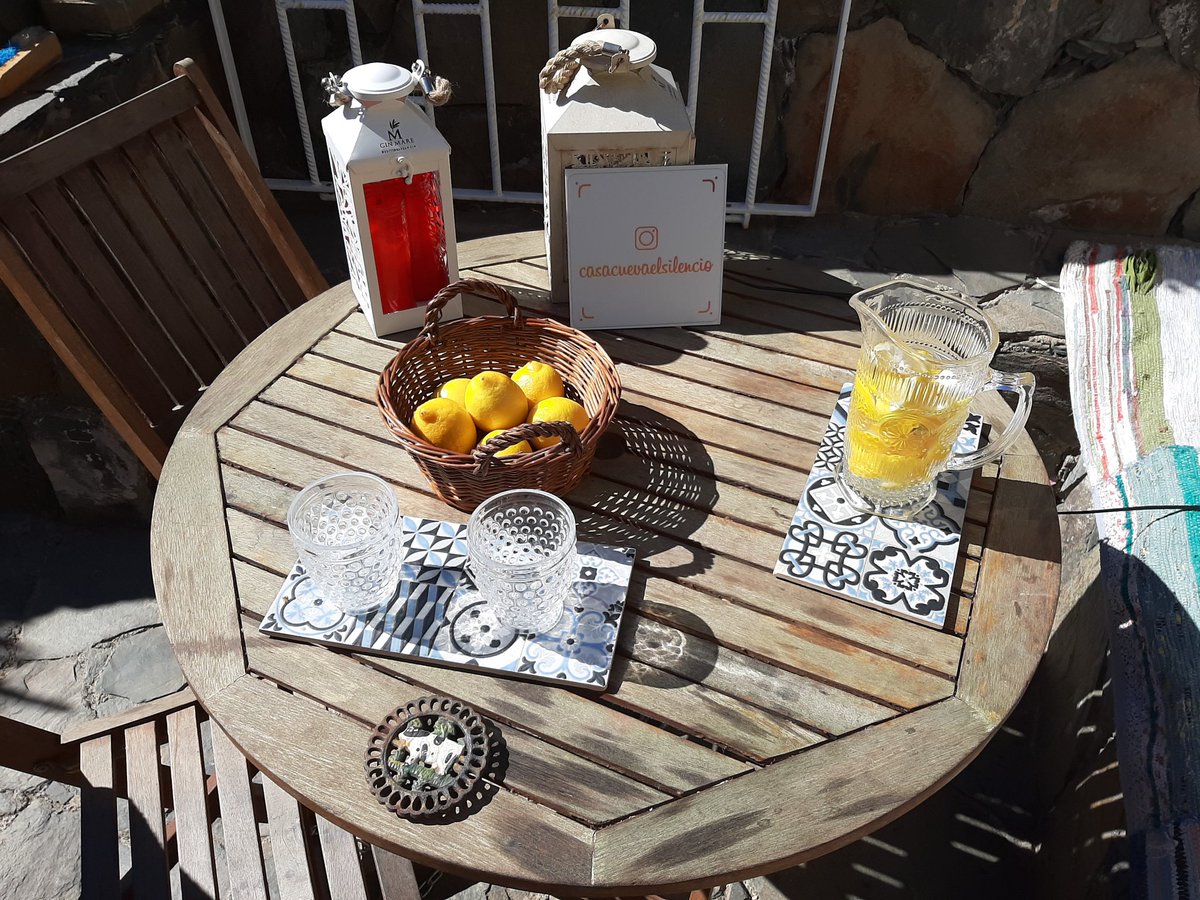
column 436, row 89
column 559, row 71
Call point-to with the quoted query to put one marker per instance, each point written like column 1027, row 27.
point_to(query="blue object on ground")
column 7, row 54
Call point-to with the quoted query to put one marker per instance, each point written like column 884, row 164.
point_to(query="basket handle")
column 478, row 286
column 485, row 455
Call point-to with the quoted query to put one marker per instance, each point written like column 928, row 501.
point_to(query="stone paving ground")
column 1037, row 814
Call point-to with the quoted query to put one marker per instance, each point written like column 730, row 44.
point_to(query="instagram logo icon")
column 645, row 237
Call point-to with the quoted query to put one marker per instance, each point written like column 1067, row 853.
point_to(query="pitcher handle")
column 1019, row 383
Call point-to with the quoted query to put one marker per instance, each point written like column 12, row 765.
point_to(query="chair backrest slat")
column 46, row 161
column 140, row 271
column 159, row 244
column 229, row 242
column 33, row 235
column 213, row 156
column 149, row 253
column 183, row 222
column 81, row 249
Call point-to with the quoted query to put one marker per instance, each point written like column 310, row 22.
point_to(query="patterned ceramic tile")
column 903, row 567
column 437, row 616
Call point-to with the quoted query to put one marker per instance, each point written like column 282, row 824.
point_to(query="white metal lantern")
column 618, row 110
column 391, row 175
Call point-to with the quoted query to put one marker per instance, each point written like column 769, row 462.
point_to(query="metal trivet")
column 414, row 798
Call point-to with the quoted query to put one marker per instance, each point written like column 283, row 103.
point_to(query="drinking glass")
column 924, row 358
column 346, row 529
column 522, row 557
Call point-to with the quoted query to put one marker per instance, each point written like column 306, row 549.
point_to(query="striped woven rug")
column 1133, row 342
column 1133, row 338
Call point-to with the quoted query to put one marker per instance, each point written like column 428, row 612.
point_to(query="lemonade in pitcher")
column 924, row 358
column 903, row 421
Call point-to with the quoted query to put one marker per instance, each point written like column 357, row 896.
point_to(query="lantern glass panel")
column 408, row 237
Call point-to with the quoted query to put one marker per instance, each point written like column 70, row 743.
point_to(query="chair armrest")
column 152, row 710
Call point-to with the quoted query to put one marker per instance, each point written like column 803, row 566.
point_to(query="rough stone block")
column 88, row 464
column 1180, row 24
column 41, row 833
column 142, row 667
column 977, row 256
column 907, row 134
column 1116, row 150
column 1007, row 46
column 108, row 17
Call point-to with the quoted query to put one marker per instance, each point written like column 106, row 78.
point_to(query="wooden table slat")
column 1014, row 610
column 537, row 770
column 824, row 655
column 801, row 807
column 749, row 724
column 397, row 881
column 189, row 556
column 570, row 720
column 682, row 380
column 325, row 767
column 767, row 446
column 787, row 343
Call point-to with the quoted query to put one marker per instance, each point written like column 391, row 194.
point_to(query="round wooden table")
column 750, row 724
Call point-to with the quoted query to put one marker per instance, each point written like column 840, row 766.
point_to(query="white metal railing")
column 422, row 8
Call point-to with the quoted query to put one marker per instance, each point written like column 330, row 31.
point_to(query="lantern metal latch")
column 615, row 54
column 335, row 92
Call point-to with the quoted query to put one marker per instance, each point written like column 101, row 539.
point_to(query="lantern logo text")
column 645, row 237
column 395, row 140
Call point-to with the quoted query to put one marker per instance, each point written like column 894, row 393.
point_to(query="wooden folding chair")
column 148, row 251
column 153, row 756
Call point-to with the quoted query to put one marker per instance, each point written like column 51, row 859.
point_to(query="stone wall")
column 1081, row 113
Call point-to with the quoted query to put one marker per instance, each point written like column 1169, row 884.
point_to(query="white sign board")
column 644, row 245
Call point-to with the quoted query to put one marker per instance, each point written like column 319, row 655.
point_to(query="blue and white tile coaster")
column 905, row 568
column 437, row 616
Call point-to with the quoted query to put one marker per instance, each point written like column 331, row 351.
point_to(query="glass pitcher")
column 924, row 358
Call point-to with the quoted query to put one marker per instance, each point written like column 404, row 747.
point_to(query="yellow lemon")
column 513, row 450
column 455, row 389
column 495, row 402
column 444, row 424
column 558, row 409
column 538, row 380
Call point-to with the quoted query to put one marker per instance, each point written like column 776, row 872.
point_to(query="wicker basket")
column 464, row 348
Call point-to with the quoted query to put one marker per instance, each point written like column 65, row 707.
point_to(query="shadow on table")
column 651, row 487
column 674, row 649
column 1038, row 814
